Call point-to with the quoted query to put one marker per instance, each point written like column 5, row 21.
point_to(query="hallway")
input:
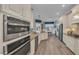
column 52, row 46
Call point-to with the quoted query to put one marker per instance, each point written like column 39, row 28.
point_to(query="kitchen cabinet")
column 42, row 36
column 32, row 47
column 27, row 12
column 72, row 43
column 76, row 48
column 69, row 42
column 34, row 42
column 20, row 10
column 14, row 9
column 1, row 33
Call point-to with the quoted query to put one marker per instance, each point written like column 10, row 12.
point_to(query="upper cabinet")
column 14, row 9
column 21, row 11
column 18, row 9
column 27, row 12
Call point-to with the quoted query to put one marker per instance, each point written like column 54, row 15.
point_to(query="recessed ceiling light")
column 76, row 16
column 57, row 13
column 63, row 5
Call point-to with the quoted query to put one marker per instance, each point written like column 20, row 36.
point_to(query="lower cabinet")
column 32, row 49
column 76, row 46
column 72, row 43
column 42, row 36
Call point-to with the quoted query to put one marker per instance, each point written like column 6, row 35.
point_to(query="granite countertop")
column 33, row 35
column 73, row 36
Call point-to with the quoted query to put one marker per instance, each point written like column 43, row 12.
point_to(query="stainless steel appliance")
column 14, row 27
column 61, row 32
column 20, row 47
column 36, row 43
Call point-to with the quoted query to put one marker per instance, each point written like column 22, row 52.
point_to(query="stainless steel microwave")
column 14, row 27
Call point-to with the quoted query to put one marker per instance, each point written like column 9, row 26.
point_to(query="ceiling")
column 53, row 11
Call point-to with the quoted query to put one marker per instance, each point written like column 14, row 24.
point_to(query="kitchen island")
column 35, row 40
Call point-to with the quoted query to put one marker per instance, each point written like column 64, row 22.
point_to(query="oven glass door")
column 14, row 28
column 16, row 44
column 20, row 43
column 24, row 50
column 11, row 29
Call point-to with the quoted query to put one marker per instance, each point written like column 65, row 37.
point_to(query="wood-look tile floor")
column 52, row 46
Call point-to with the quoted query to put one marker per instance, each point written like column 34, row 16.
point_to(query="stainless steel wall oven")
column 20, row 47
column 14, row 28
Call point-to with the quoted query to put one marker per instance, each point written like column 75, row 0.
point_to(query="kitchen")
column 24, row 26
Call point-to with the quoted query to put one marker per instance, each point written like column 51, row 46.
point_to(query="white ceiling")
column 50, row 10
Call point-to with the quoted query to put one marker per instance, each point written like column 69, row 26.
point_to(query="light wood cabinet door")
column 32, row 46
column 69, row 41
column 12, row 8
column 16, row 8
column 27, row 12
column 76, row 46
